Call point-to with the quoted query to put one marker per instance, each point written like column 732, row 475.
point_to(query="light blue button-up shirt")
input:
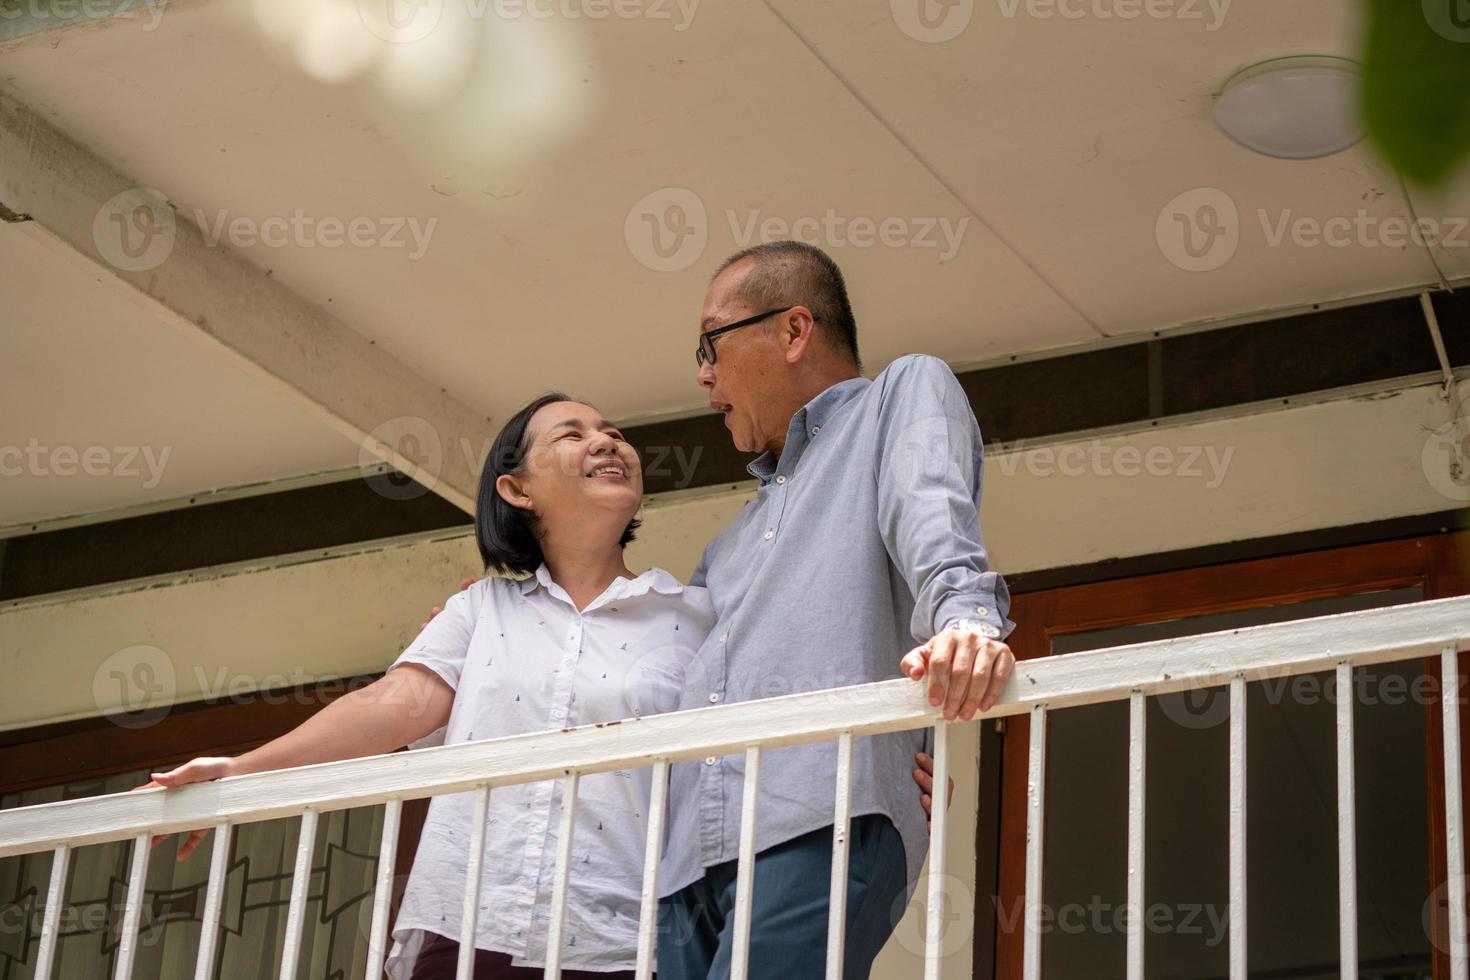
column 863, row 542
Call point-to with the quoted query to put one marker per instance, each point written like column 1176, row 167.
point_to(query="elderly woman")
column 579, row 639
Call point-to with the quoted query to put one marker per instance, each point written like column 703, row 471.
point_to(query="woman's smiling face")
column 576, row 460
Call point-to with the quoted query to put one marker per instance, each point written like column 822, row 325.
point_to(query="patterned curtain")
column 257, row 890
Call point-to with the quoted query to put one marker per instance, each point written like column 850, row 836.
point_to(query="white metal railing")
column 1132, row 673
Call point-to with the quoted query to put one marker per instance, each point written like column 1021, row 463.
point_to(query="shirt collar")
column 655, row 579
column 806, row 423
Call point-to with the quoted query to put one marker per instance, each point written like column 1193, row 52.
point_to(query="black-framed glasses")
column 706, row 352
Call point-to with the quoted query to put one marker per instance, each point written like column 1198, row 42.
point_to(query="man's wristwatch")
column 979, row 626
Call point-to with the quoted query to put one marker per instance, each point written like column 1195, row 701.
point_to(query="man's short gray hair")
column 793, row 273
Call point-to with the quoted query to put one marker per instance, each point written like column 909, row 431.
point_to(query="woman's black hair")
column 506, row 534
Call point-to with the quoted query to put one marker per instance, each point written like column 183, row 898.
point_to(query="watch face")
column 986, row 629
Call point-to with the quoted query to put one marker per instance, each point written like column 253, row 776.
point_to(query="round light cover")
column 1294, row 108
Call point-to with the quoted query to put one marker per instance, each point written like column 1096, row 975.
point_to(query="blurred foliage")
column 1416, row 85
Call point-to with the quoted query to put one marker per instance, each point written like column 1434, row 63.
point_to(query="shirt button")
column 816, row 429
column 714, row 699
column 769, row 535
column 722, row 639
column 780, row 479
column 709, row 760
column 981, row 610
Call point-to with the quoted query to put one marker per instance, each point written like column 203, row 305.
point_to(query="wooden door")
column 1431, row 566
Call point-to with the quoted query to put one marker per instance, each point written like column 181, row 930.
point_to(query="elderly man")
column 863, row 540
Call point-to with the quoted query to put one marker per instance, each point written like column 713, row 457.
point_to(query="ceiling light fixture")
column 1294, row 108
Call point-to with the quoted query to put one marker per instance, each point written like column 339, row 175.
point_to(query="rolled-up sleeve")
column 445, row 640
column 929, row 464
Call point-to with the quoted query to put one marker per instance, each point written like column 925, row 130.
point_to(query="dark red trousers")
column 440, row 955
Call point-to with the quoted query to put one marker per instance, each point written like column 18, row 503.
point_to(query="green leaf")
column 1416, row 85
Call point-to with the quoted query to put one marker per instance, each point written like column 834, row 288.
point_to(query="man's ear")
column 512, row 491
column 798, row 330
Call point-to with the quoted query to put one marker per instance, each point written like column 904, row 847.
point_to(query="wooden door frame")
column 1430, row 562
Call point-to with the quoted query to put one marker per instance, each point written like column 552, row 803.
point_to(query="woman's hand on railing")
column 199, row 770
column 924, row 776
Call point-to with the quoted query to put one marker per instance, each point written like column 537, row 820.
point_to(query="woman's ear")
column 513, row 492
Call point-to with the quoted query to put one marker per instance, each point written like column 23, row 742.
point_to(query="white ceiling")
column 161, row 414
column 1059, row 140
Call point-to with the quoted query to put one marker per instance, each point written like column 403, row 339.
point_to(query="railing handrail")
column 1358, row 638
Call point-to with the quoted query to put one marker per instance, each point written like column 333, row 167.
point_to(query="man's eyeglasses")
column 706, row 353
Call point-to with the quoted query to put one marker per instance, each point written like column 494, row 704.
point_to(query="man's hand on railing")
column 439, row 609
column 198, row 770
column 924, row 776
column 966, row 670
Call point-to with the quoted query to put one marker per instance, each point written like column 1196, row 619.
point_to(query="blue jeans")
column 788, row 931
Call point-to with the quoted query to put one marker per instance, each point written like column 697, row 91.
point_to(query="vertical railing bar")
column 841, row 827
column 1449, row 672
column 214, row 893
column 1347, row 833
column 127, row 942
column 559, row 883
column 1137, row 771
column 382, row 890
column 745, row 869
column 469, row 910
column 300, row 886
column 1237, row 829
column 648, row 899
column 51, row 924
column 938, row 851
column 1035, row 835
